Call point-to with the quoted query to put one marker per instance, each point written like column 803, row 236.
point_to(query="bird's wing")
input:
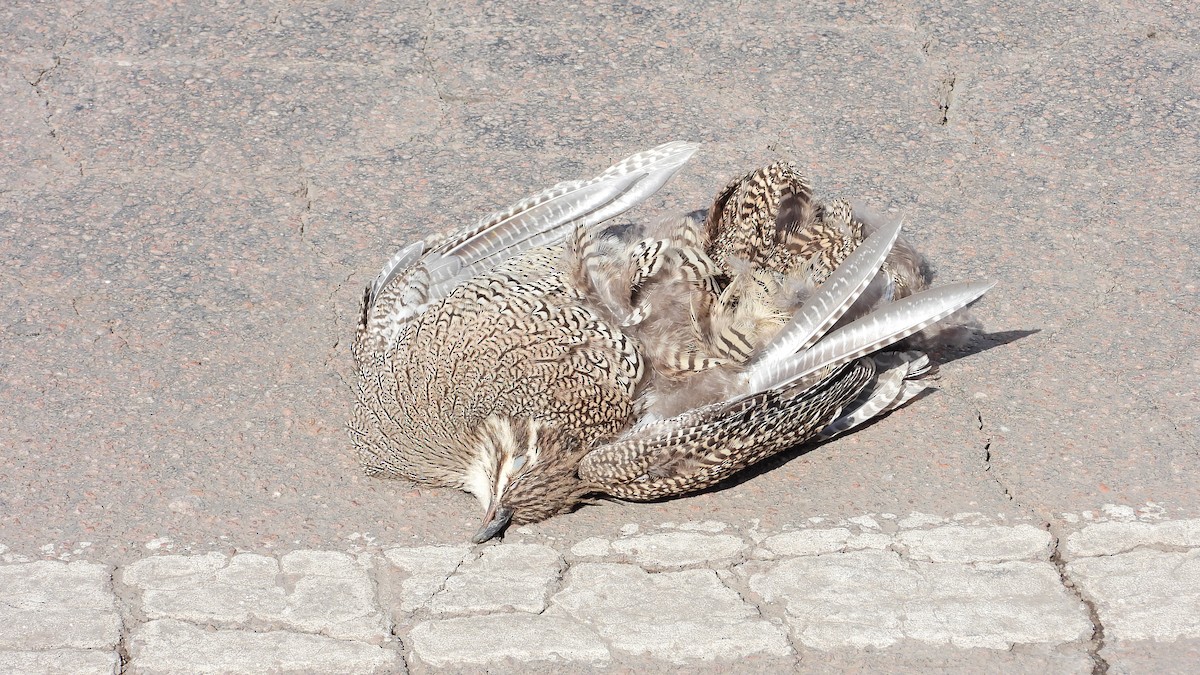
column 805, row 346
column 824, row 307
column 705, row 446
column 807, row 383
column 417, row 276
column 886, row 326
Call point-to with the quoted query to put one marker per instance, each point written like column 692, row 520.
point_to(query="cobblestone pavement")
column 194, row 194
column 919, row 591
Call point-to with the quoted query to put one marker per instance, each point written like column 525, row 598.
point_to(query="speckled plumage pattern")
column 704, row 446
column 514, row 342
column 769, row 217
column 543, row 355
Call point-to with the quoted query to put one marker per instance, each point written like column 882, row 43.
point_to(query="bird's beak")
column 496, row 520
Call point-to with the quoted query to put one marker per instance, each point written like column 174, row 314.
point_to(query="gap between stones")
column 736, row 579
column 125, row 615
column 1096, row 643
column 373, row 572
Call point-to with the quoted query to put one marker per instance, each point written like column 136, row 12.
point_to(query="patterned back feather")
column 417, row 277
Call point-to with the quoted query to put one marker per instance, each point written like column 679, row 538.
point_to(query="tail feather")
column 540, row 219
column 896, row 383
column 657, row 166
column 877, row 330
column 870, row 402
column 401, row 262
column 548, row 216
column 544, row 222
column 832, row 299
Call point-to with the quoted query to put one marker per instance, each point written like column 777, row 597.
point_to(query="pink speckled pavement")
column 192, row 198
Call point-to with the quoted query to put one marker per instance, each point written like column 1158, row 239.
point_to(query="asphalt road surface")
column 192, row 199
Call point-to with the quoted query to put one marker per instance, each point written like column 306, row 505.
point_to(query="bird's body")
column 540, row 357
column 515, row 343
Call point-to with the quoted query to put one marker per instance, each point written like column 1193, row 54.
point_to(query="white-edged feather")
column 658, row 164
column 543, row 223
column 541, row 219
column 877, row 330
column 824, row 307
column 401, row 262
column 418, row 276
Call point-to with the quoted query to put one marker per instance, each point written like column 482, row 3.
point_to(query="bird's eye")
column 518, row 462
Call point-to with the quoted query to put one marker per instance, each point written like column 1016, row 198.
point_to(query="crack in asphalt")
column 1154, row 405
column 987, row 460
column 946, row 97
column 337, row 318
column 438, row 86
column 1096, row 642
column 48, row 113
column 304, row 193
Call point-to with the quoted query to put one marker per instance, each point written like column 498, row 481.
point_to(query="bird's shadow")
column 981, row 342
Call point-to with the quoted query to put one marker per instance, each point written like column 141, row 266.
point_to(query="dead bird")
column 544, row 355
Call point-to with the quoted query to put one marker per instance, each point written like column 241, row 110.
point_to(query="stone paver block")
column 312, row 591
column 678, row 549
column 76, row 661
column 1143, row 595
column 179, row 571
column 427, row 567
column 876, row 599
column 592, row 547
column 920, row 658
column 506, row 577
column 918, row 519
column 1151, row 657
column 49, row 605
column 676, row 616
column 1116, row 537
column 994, row 543
column 169, row 646
column 712, row 526
column 479, row 640
column 816, row 542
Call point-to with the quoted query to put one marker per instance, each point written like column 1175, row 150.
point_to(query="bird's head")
column 526, row 471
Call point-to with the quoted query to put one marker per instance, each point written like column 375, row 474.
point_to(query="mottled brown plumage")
column 495, row 364
column 543, row 355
